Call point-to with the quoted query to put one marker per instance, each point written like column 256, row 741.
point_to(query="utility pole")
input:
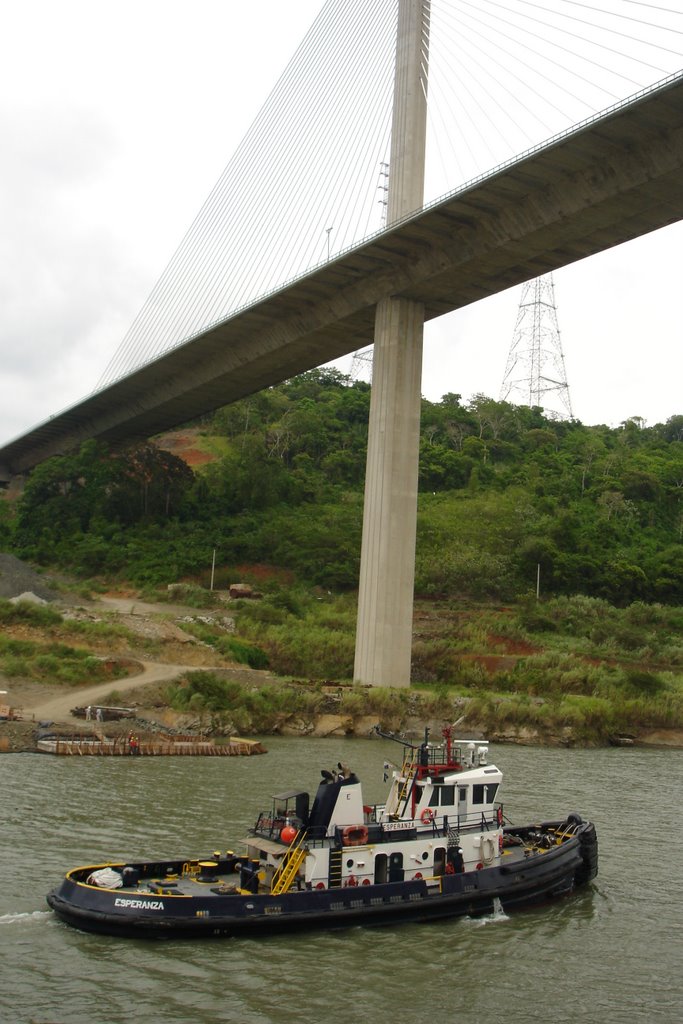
column 387, row 572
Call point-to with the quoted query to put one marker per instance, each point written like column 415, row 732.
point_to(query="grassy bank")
column 566, row 670
column 570, row 666
column 30, row 647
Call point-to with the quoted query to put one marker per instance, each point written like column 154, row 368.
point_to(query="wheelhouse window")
column 484, row 793
column 442, row 796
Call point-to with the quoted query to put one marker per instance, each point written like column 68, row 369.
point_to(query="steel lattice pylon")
column 361, row 365
column 535, row 374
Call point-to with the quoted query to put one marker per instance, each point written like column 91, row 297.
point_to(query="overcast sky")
column 117, row 119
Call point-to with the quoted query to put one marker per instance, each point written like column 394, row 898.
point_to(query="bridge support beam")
column 387, row 572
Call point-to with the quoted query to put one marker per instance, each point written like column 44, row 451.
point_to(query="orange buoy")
column 288, row 834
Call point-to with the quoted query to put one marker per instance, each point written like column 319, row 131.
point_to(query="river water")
column 611, row 953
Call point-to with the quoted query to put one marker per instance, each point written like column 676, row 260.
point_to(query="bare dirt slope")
column 58, row 709
column 153, row 649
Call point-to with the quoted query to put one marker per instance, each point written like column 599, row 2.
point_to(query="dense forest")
column 503, row 490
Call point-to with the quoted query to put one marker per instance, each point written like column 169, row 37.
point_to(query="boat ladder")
column 407, row 772
column 335, row 876
column 291, row 862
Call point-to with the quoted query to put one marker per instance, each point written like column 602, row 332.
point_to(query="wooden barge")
column 125, row 746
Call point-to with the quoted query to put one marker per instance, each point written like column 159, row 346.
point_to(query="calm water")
column 608, row 954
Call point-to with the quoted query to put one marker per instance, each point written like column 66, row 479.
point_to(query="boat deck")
column 227, row 876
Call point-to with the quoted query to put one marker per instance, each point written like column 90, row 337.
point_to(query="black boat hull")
column 509, row 886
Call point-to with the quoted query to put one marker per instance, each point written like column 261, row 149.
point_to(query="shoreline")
column 45, row 709
column 143, row 648
column 21, row 735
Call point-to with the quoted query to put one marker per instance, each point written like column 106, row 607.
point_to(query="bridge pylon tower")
column 384, row 628
column 535, row 374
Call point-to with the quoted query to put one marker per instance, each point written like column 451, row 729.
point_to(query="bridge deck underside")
column 613, row 180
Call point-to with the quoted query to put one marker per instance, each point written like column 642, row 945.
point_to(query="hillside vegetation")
column 503, row 489
column 507, row 496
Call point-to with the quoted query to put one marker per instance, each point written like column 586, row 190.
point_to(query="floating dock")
column 121, row 746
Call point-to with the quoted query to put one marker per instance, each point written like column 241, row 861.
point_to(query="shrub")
column 245, row 654
column 26, row 611
column 644, row 682
column 199, row 690
column 306, row 650
column 353, row 703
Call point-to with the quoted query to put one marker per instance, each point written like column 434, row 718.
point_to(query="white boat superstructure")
column 441, row 816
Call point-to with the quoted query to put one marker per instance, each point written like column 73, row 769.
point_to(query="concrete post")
column 387, row 572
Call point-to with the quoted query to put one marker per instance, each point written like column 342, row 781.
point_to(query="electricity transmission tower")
column 361, row 365
column 535, row 374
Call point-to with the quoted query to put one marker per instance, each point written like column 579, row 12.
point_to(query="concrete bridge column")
column 385, row 597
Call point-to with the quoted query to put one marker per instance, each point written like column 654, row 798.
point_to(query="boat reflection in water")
column 437, row 848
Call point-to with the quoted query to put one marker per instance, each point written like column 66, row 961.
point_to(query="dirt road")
column 58, row 709
column 132, row 606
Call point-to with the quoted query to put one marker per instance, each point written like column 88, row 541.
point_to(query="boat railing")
column 441, row 823
column 378, row 831
column 269, row 827
column 566, row 830
column 484, row 820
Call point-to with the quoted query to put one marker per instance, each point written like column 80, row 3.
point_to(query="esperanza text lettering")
column 139, row 904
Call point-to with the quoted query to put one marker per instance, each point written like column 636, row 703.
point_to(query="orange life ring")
column 351, row 880
column 355, row 835
column 427, row 816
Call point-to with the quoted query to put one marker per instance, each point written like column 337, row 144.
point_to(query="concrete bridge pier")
column 387, row 572
column 385, row 597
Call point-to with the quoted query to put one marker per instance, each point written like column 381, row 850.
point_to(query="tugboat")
column 438, row 848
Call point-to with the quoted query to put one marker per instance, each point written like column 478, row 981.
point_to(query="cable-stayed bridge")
column 306, row 184
column 240, row 309
column 608, row 181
